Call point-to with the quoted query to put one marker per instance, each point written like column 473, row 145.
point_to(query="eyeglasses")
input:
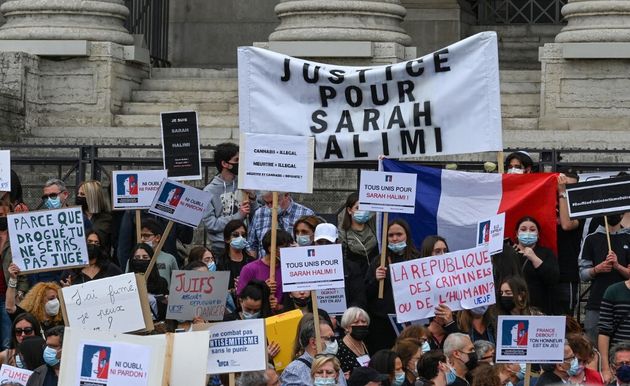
column 569, row 359
column 146, row 235
column 467, row 353
column 25, row 331
column 52, row 196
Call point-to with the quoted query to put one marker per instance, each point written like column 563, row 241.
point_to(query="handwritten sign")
column 530, row 339
column 282, row 163
column 236, row 346
column 312, row 267
column 387, row 192
column 113, row 304
column 461, row 279
column 195, row 293
column 180, row 203
column 490, row 233
column 48, row 240
column 135, row 189
column 333, row 300
column 5, row 170
column 16, row 375
column 180, row 145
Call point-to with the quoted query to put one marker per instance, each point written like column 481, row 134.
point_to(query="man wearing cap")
column 366, row 376
column 326, row 234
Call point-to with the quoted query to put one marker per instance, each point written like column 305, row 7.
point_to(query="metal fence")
column 150, row 19
column 518, row 11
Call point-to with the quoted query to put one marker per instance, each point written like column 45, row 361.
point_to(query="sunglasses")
column 52, row 196
column 26, row 331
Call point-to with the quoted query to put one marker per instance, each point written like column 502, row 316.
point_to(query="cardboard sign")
column 189, row 358
column 281, row 163
column 195, row 293
column 236, row 346
column 16, row 375
column 180, row 145
column 312, row 267
column 277, row 328
column 135, row 189
column 490, row 233
column 180, row 203
column 5, row 170
column 48, row 240
column 332, row 300
column 461, row 279
column 387, row 192
column 599, row 197
column 112, row 304
column 530, row 339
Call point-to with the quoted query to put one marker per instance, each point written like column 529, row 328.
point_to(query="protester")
column 298, row 300
column 253, row 302
column 204, row 255
column 511, row 374
column 619, row 360
column 416, row 331
column 434, row 370
column 357, row 234
column 15, row 197
column 477, row 323
column 235, row 256
column 55, row 194
column 433, row 246
column 99, row 267
column 157, row 286
column 514, row 298
column 389, row 363
column 41, row 301
column 540, row 266
column 304, row 230
column 97, row 208
column 325, row 370
column 519, row 162
column 267, row 377
column 48, row 374
column 460, row 351
column 506, row 263
column 24, row 325
column 227, row 202
column 614, row 320
column 441, row 326
column 586, row 373
column 151, row 234
column 409, row 351
column 366, row 376
column 485, row 351
column 485, row 375
column 289, row 212
column 400, row 248
column 558, row 373
column 31, row 352
column 353, row 352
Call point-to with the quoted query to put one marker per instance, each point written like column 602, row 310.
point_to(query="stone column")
column 65, row 20
column 356, row 32
column 596, row 21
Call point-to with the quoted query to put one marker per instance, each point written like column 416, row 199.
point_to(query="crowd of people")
column 360, row 347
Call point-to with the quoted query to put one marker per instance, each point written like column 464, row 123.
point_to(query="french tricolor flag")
column 450, row 203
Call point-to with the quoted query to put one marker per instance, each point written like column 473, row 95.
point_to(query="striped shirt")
column 614, row 317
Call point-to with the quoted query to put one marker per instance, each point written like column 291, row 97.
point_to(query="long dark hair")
column 520, row 293
column 410, row 252
column 258, row 290
column 29, row 318
column 426, row 249
column 155, row 286
column 384, row 361
column 352, row 199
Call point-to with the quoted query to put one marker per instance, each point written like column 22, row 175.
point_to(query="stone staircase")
column 520, row 99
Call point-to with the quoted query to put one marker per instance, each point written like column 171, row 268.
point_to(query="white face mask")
column 516, row 171
column 52, row 307
column 149, row 243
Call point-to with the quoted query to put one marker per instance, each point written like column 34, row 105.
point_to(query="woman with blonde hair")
column 41, row 302
column 97, row 209
column 325, row 370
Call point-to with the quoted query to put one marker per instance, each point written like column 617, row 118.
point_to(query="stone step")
column 190, row 84
column 519, row 76
column 170, row 73
column 204, row 120
column 520, row 87
column 520, row 99
column 140, row 108
column 512, row 111
column 184, row 96
column 520, row 123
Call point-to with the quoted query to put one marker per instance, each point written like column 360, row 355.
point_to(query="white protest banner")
column 195, row 293
column 113, row 304
column 15, row 375
column 281, row 163
column 135, row 189
column 48, row 240
column 180, row 203
column 387, row 192
column 447, row 102
column 332, row 300
column 236, row 346
column 312, row 267
column 530, row 339
column 5, row 170
column 461, row 279
column 490, row 233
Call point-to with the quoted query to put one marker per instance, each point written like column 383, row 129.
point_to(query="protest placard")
column 195, row 293
column 312, row 267
column 180, row 145
column 236, row 346
column 332, row 300
column 280, row 163
column 135, row 189
column 113, row 304
column 16, row 375
column 189, row 357
column 387, row 192
column 461, row 279
column 180, row 203
column 490, row 233
column 276, row 328
column 599, row 197
column 48, row 240
column 5, row 170
column 530, row 339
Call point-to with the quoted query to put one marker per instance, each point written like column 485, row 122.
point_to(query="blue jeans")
column 5, row 326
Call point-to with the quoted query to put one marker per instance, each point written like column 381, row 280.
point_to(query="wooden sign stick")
column 274, row 233
column 318, row 335
column 381, row 284
column 528, row 374
column 607, row 234
column 168, row 360
column 158, row 248
column 500, row 162
column 232, row 379
column 138, row 226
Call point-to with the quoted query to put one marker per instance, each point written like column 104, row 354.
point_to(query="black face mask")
column 94, row 252
column 234, row 169
column 301, row 303
column 82, row 201
column 3, row 224
column 139, row 266
column 359, row 332
column 614, row 219
column 472, row 361
column 507, row 303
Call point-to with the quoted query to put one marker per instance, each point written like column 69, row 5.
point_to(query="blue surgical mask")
column 53, row 203
column 212, row 266
column 528, row 238
column 451, row 376
column 50, row 357
column 575, row 368
column 623, row 374
column 397, row 247
column 479, row 311
column 303, row 240
column 399, row 379
column 426, row 347
column 361, row 216
column 238, row 242
column 324, row 381
column 250, row 315
column 521, row 373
